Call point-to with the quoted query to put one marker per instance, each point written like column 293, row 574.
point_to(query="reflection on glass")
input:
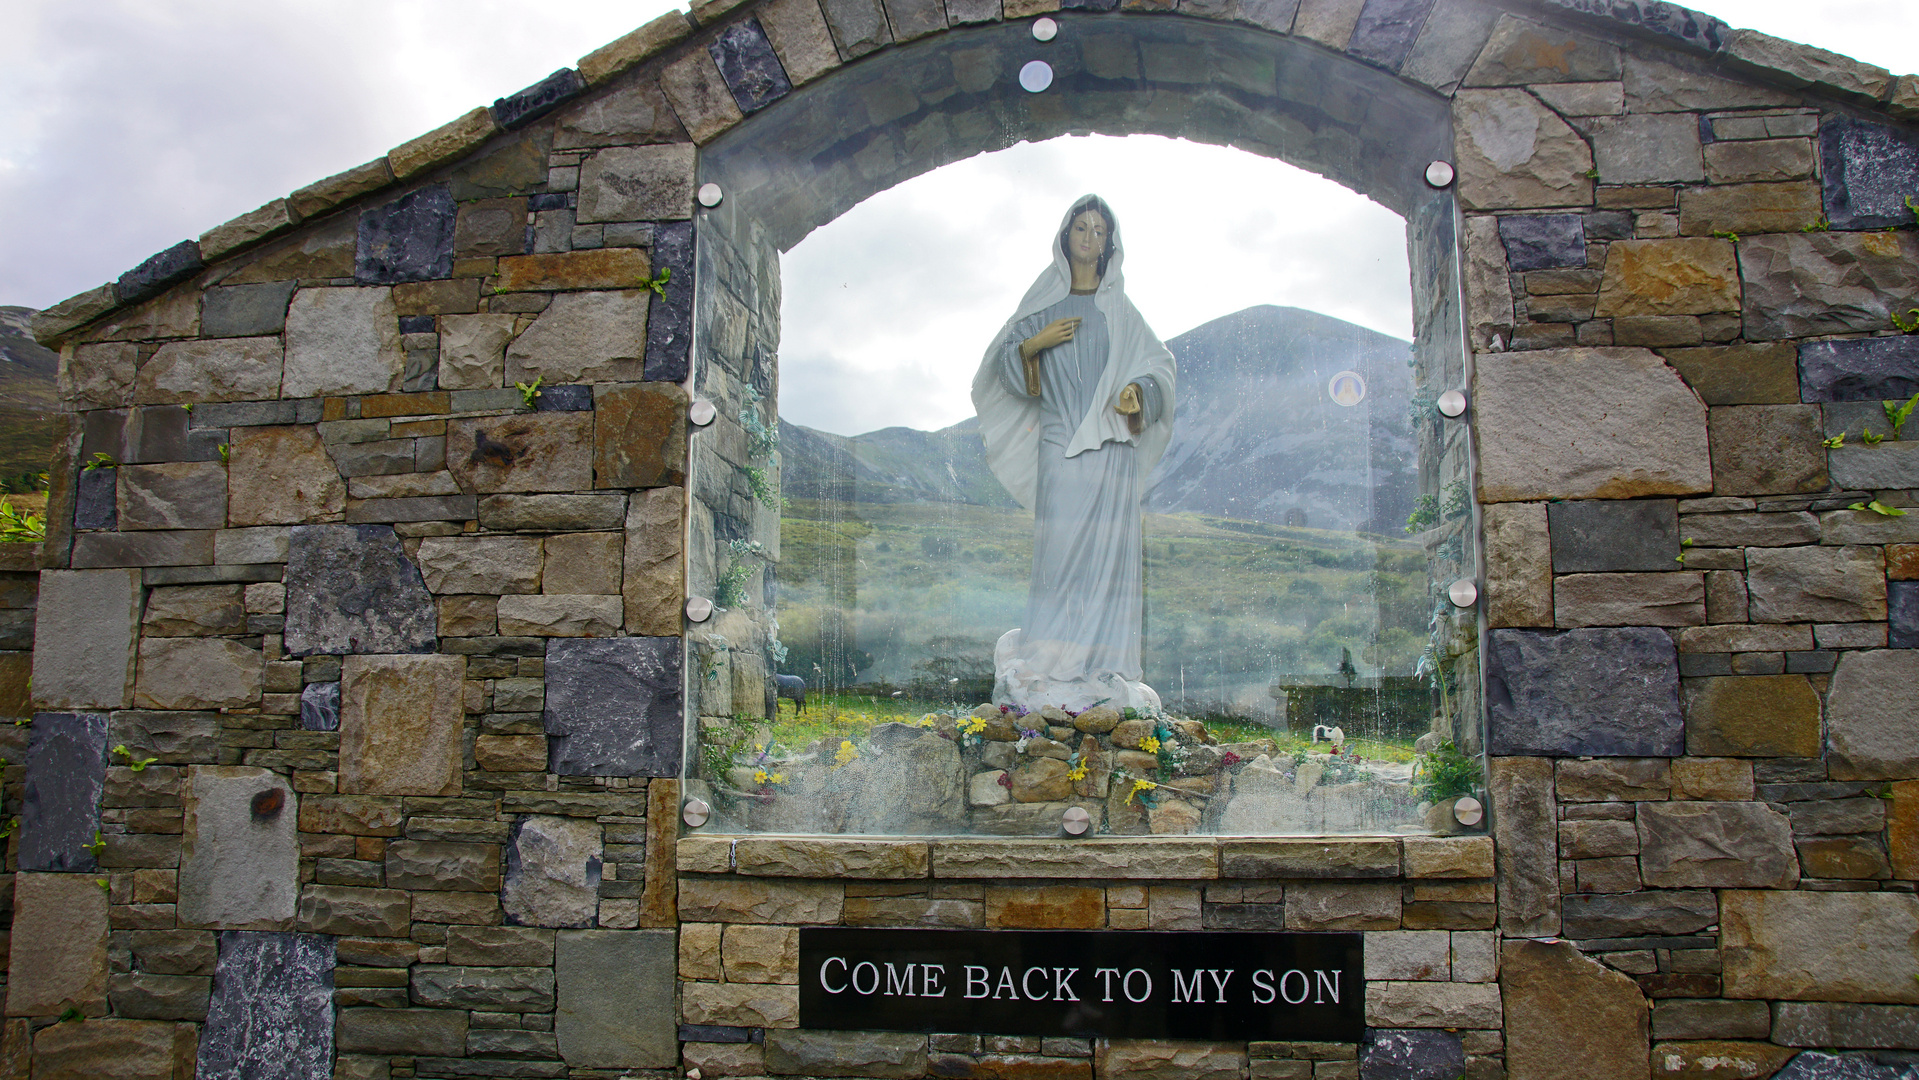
column 1189, row 587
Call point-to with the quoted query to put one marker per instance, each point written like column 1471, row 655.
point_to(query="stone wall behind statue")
column 379, row 587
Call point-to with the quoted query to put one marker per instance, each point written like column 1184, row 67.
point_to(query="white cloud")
column 888, row 310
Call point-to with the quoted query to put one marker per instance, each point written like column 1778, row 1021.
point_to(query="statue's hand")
column 1129, row 403
column 1057, row 332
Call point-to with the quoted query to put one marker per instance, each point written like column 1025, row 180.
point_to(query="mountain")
column 1256, row 435
column 28, row 396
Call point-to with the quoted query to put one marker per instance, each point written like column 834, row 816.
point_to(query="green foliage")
column 1593, row 174
column 136, row 764
column 760, row 486
column 1821, row 225
column 529, row 391
column 1912, row 206
column 226, row 454
column 730, row 590
column 1870, row 438
column 71, row 1012
column 1425, row 514
column 658, row 282
column 20, row 527
column 1835, row 442
column 101, row 460
column 1904, row 326
column 12, row 826
column 1445, row 773
column 25, row 483
column 1896, row 413
column 1681, row 557
column 99, row 845
column 1879, row 508
column 1733, row 236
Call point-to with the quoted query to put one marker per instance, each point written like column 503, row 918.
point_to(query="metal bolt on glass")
column 1440, row 174
column 701, row 413
column 1463, row 593
column 695, row 812
column 1076, row 821
column 710, row 195
column 1452, row 404
column 699, row 609
column 1468, row 811
column 1045, row 29
column 1037, row 75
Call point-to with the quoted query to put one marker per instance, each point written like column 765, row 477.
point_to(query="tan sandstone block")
column 1448, row 856
column 1570, row 1018
column 1669, row 277
column 653, row 583
column 830, row 858
column 700, row 951
column 123, row 1049
column 442, row 144
column 1519, row 564
column 1820, row 946
column 1045, row 907
column 59, row 951
column 763, row 954
column 769, row 1005
column 400, row 724
column 616, row 56
column 281, row 476
column 739, row 900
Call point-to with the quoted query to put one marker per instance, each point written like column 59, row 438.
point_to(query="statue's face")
column 1086, row 239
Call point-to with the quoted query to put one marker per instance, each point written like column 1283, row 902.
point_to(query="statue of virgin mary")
column 1075, row 403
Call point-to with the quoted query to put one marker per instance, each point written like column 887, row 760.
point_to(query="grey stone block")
column 1667, row 911
column 553, row 513
column 271, row 1017
column 160, row 548
column 145, row 996
column 518, row 110
column 1873, row 468
column 409, row 239
column 1902, row 614
column 204, row 575
column 413, row 508
column 553, row 872
column 93, row 505
column 858, row 26
column 1386, row 31
column 1869, row 171
column 1604, row 535
column 84, row 628
column 753, row 74
column 160, row 271
column 669, row 319
column 173, row 737
column 246, row 310
column 159, row 433
column 352, row 589
column 320, row 706
column 1821, row 1023
column 402, row 1031
column 1821, row 1065
column 613, row 706
column 1543, row 241
column 493, row 989
column 1411, row 1054
column 1862, row 369
column 616, row 990
column 232, row 414
column 1611, row 692
column 240, row 850
column 1697, row 29
column 60, row 808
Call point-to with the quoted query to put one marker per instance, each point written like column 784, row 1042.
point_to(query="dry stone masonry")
column 358, row 697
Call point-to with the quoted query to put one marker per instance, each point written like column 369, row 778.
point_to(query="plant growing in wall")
column 730, row 590
column 1445, row 774
column 762, row 449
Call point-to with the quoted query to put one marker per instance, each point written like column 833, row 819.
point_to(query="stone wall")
column 394, row 646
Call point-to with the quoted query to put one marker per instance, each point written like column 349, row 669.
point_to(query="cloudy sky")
column 132, row 124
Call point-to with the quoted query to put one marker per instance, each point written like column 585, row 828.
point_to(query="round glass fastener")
column 1440, row 174
column 1463, row 593
column 1452, row 404
column 695, row 812
column 701, row 412
column 1045, row 29
column 710, row 195
column 1468, row 811
column 699, row 609
column 1037, row 75
column 1076, row 821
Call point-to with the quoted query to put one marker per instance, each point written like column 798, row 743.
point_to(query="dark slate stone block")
column 1386, row 31
column 233, row 414
column 715, row 1033
column 203, row 444
column 160, row 433
column 1410, row 1054
column 1608, row 225
column 613, row 706
column 1823, row 1065
column 574, row 397
column 246, row 310
column 244, row 573
column 669, row 322
column 417, row 324
column 1666, row 911
column 352, row 589
column 93, row 503
column 320, row 706
column 1869, row 171
column 549, row 200
column 60, row 808
column 16, row 629
column 271, row 1015
column 1609, row 535
column 747, row 63
column 105, row 432
column 180, row 260
column 1608, row 692
column 518, row 110
column 1688, row 27
column 1863, row 369
column 1813, row 662
column 1543, row 241
column 1902, row 614
column 1702, row 664
column 409, row 239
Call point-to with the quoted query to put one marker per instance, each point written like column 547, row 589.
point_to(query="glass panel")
column 1024, row 507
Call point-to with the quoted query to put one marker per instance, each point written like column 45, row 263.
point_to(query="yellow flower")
column 1139, row 786
column 1150, row 744
column 847, row 753
column 1078, row 772
column 760, row 776
column 779, row 778
column 973, row 725
column 928, row 720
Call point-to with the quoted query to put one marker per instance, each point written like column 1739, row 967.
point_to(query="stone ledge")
column 1106, row 859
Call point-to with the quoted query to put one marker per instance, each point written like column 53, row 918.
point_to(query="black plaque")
column 1085, row 983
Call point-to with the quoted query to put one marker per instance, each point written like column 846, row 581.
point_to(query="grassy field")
column 913, row 596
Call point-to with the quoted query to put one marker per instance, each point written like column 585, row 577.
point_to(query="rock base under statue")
column 1021, row 681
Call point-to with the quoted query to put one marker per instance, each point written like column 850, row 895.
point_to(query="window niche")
column 1302, row 669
